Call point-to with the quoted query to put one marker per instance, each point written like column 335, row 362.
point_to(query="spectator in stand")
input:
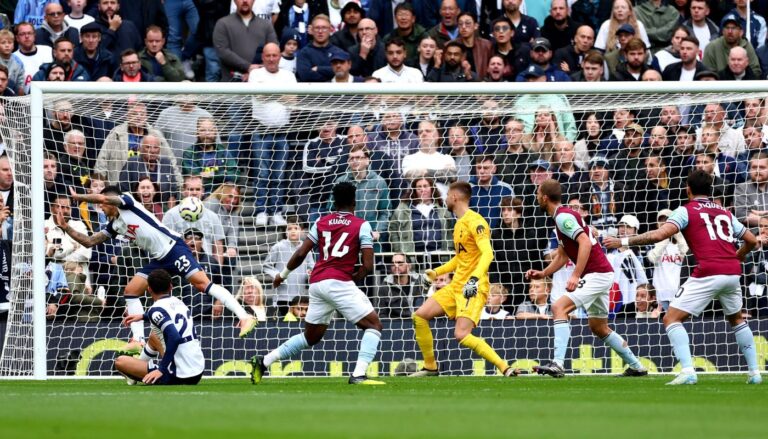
column 455, row 67
column 297, row 309
column 209, row 158
column 407, row 30
column 289, row 46
column 634, row 64
column 655, row 191
column 54, row 27
column 447, row 29
column 493, row 310
column 525, row 107
column 368, row 55
column 488, row 190
column 541, row 56
column 313, row 61
column 513, row 156
column 590, row 135
column 605, row 195
column 513, row 245
column 251, row 297
column 718, row 50
column 700, row 24
column 62, row 247
column 63, row 50
column 753, row 140
column 53, row 183
column 671, row 53
column 75, row 166
column 393, row 141
column 559, row 28
column 160, row 62
column 117, row 34
column 756, row 271
column 224, row 201
column 757, row 27
column 667, row 257
column 179, row 12
column 622, row 13
column 592, row 68
column 61, row 121
column 131, row 69
column 541, row 141
column 610, row 145
column 4, row 89
column 573, row 179
column 421, row 223
column 209, row 223
column 178, row 123
column 277, row 259
column 738, row 67
column 159, row 168
column 729, row 140
column 400, row 292
column 147, row 192
column 494, row 72
column 515, row 56
column 77, row 18
column 236, row 44
column 428, row 161
column 144, row 13
column 341, row 64
column 526, row 28
column 458, row 141
column 6, row 182
column 396, row 70
column 489, row 130
column 31, row 11
column 91, row 55
column 627, row 266
column 372, row 193
column 628, row 163
column 428, row 58
column 124, row 140
column 210, row 12
column 12, row 62
column 645, row 306
column 661, row 19
column 570, row 58
column 689, row 64
column 751, row 196
column 55, row 71
column 296, row 15
column 479, row 49
column 31, row 56
column 349, row 35
column 537, row 306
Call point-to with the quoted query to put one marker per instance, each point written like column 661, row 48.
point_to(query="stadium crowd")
column 623, row 169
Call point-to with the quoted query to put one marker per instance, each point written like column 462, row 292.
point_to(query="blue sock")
column 291, row 347
column 369, row 345
column 678, row 337
column 562, row 335
column 746, row 344
column 618, row 344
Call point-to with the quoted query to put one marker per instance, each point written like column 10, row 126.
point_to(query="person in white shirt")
column 493, row 309
column 396, row 70
column 77, row 17
column 31, row 55
column 270, row 150
column 428, row 161
column 667, row 257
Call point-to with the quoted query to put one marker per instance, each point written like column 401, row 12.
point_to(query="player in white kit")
column 177, row 343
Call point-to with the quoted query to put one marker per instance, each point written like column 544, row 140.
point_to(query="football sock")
column 678, row 337
column 133, row 306
column 483, row 349
column 368, row 347
column 148, row 353
column 425, row 342
column 227, row 299
column 618, row 344
column 562, row 335
column 746, row 344
column 291, row 347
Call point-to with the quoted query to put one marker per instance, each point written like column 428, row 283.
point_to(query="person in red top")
column 130, row 69
column 340, row 238
column 588, row 287
column 711, row 232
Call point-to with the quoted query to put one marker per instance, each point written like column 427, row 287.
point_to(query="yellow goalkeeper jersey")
column 472, row 241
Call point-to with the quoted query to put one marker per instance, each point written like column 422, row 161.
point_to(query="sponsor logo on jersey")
column 130, row 232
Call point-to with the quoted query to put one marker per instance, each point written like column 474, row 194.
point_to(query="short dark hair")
column 154, row 28
column 634, row 44
column 298, row 299
column 502, row 19
column 453, row 43
column 467, row 14
column 691, row 39
column 700, row 182
column 62, row 40
column 464, row 188
column 127, row 52
column 159, row 281
column 4, row 69
column 112, row 190
column 396, row 41
column 344, row 194
column 405, row 6
column 552, row 189
column 485, row 158
column 593, row 57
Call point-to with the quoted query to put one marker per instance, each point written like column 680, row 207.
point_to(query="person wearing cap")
column 559, row 28
column 313, row 62
column 757, row 27
column 95, row 59
column 348, row 36
column 628, row 164
column 667, row 257
column 479, row 50
column 541, row 55
column 718, row 50
column 622, row 12
column 624, row 33
column 660, row 19
column 455, row 67
column 700, row 24
column 405, row 29
column 525, row 27
column 538, row 171
column 341, row 64
column 289, row 45
column 689, row 65
column 202, row 305
column 634, row 64
column 627, row 265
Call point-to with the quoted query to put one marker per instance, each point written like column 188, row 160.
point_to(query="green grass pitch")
column 720, row 406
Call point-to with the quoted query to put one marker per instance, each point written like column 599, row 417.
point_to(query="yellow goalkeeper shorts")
column 452, row 300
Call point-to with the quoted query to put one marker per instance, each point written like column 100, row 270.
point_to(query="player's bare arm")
column 367, row 267
column 665, row 231
column 96, row 198
column 82, row 238
column 293, row 263
column 750, row 242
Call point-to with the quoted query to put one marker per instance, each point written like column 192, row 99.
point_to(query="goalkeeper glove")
column 470, row 288
column 428, row 277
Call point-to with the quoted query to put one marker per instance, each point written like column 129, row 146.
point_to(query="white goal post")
column 26, row 352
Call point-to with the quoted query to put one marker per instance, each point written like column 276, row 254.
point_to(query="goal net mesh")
column 265, row 166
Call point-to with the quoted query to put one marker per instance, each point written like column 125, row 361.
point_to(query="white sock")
column 133, row 306
column 291, row 347
column 368, row 347
column 227, row 299
column 148, row 353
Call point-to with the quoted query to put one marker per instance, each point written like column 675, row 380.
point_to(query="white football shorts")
column 330, row 295
column 592, row 294
column 697, row 293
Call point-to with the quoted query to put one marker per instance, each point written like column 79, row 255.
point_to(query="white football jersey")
column 43, row 54
column 141, row 228
column 188, row 361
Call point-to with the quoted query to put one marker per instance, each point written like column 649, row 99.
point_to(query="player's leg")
column 133, row 293
column 463, row 334
column 678, row 338
column 560, row 311
column 201, row 282
column 134, row 369
column 732, row 303
column 423, row 334
column 369, row 346
column 600, row 329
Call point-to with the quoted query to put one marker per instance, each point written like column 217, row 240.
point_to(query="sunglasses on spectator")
column 501, row 28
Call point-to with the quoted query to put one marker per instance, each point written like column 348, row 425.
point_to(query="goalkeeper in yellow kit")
column 464, row 298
